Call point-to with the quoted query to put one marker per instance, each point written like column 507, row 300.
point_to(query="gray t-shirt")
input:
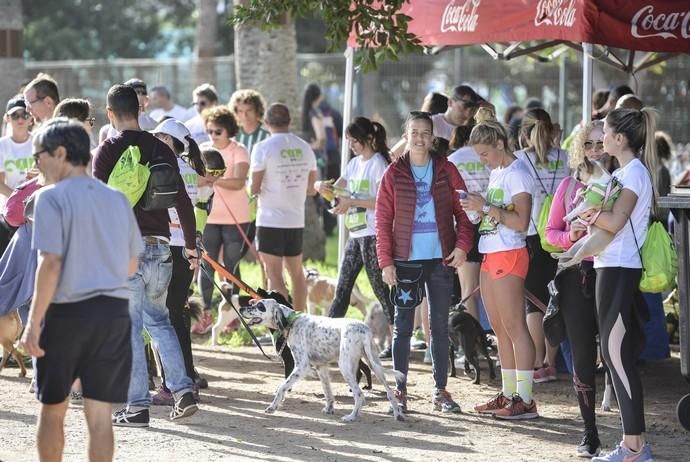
column 92, row 227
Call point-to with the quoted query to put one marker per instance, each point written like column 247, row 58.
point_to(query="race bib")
column 356, row 219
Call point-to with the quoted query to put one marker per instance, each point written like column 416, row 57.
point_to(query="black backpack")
column 162, row 187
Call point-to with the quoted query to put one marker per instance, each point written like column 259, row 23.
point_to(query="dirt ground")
column 232, row 426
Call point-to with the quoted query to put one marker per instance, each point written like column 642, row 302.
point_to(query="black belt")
column 155, row 240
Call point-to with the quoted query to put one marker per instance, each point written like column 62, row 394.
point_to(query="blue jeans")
column 148, row 290
column 438, row 281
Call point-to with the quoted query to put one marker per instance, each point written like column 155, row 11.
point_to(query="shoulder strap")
column 555, row 170
column 536, row 173
column 639, row 251
column 569, row 193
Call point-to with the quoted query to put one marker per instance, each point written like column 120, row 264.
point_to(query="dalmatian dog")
column 317, row 341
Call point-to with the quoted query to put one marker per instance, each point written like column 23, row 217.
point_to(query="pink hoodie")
column 557, row 230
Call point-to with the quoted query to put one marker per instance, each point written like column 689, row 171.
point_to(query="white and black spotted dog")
column 316, row 342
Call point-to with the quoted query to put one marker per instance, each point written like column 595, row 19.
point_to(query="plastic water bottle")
column 473, row 216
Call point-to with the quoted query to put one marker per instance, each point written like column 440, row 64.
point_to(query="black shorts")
column 281, row 242
column 89, row 340
column 542, row 269
column 474, row 256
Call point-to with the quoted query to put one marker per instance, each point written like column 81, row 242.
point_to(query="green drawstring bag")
column 659, row 260
column 129, row 176
column 541, row 225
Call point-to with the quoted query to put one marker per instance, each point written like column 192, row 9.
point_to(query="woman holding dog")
column 628, row 137
column 362, row 178
column 178, row 137
column 548, row 165
column 505, row 220
column 576, row 285
column 422, row 233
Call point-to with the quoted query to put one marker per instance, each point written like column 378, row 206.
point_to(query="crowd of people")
column 463, row 207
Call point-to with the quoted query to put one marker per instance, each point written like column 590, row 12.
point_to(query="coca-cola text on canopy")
column 555, row 13
column 645, row 23
column 460, row 18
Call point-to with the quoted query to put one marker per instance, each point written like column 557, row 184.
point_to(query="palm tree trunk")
column 206, row 36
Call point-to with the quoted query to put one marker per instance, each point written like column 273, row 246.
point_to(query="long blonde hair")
column 536, row 133
column 576, row 155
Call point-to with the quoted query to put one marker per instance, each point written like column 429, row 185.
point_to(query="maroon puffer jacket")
column 395, row 207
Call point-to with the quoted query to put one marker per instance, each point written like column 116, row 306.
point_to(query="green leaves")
column 381, row 30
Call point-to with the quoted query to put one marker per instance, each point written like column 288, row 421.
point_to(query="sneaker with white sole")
column 590, row 446
column 443, row 402
column 492, row 406
column 136, row 419
column 518, row 410
column 623, row 454
column 184, row 407
column 163, row 397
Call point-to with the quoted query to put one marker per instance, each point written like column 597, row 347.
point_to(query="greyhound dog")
column 317, row 341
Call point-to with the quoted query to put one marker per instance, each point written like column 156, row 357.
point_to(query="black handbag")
column 554, row 326
column 408, row 291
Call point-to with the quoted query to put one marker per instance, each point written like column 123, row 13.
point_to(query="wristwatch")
column 486, row 208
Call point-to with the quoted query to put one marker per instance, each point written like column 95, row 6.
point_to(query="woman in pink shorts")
column 505, row 219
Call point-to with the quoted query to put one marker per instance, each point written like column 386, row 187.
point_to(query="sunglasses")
column 215, row 132
column 91, row 121
column 599, row 145
column 20, row 115
column 215, row 171
column 37, row 155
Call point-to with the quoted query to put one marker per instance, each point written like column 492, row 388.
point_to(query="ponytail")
column 193, row 156
column 648, row 156
column 537, row 133
column 379, row 142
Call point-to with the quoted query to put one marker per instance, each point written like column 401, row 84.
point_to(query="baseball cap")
column 174, row 128
column 15, row 104
column 136, row 84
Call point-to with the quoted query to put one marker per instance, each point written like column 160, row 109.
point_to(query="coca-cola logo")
column 646, row 24
column 555, row 13
column 460, row 18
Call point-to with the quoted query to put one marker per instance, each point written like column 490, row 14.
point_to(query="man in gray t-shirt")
column 88, row 244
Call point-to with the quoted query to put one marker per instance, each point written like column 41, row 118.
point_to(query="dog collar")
column 292, row 317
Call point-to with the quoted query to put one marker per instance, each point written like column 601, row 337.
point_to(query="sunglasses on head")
column 217, row 132
column 599, row 145
column 20, row 115
column 215, row 171
column 140, row 91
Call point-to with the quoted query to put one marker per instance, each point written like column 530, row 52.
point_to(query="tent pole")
column 345, row 148
column 562, row 75
column 586, row 82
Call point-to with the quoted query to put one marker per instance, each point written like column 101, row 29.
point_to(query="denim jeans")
column 438, row 281
column 148, row 290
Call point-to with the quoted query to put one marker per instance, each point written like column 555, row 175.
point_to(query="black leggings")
column 229, row 238
column 621, row 321
column 360, row 251
column 542, row 269
column 178, row 292
column 580, row 317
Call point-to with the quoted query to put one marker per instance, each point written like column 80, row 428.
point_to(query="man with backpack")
column 148, row 287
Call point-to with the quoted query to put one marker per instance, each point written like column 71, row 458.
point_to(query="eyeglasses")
column 215, row 171
column 20, row 115
column 91, row 121
column 215, row 132
column 29, row 102
column 200, row 103
column 37, row 155
column 599, row 145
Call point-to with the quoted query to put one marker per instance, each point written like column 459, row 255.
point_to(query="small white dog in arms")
column 321, row 292
column 316, row 342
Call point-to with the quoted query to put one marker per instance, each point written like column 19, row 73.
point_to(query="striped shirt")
column 250, row 139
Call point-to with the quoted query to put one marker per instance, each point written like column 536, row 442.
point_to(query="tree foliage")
column 381, row 30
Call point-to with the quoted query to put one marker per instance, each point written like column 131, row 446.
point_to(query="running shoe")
column 125, row 418
column 493, row 405
column 552, row 373
column 518, row 410
column 201, row 382
column 590, row 446
column 204, row 324
column 387, row 353
column 401, row 396
column 623, row 454
column 162, row 397
column 75, row 397
column 443, row 402
column 184, row 407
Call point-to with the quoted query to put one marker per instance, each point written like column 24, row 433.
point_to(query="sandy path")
column 231, row 424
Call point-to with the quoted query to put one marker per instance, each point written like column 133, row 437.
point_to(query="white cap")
column 174, row 128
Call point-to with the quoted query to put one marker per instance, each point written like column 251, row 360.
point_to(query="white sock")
column 524, row 385
column 509, row 379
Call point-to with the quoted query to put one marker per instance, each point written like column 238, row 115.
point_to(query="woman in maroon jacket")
column 422, row 234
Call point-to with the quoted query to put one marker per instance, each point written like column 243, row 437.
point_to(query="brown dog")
column 10, row 330
column 321, row 292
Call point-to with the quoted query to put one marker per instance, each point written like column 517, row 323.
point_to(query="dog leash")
column 529, row 296
column 225, row 273
column 464, row 300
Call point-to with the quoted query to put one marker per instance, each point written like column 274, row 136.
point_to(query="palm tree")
column 12, row 53
column 206, row 36
column 267, row 62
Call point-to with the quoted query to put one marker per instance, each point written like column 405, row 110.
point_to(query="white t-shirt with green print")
column 504, row 184
column 363, row 178
column 15, row 162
